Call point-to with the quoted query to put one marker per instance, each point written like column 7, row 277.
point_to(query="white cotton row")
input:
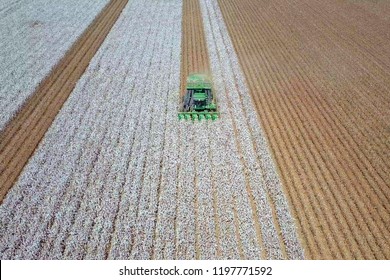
column 145, row 180
column 34, row 36
column 185, row 214
column 164, row 237
column 205, row 187
column 224, row 185
column 160, row 85
column 256, row 156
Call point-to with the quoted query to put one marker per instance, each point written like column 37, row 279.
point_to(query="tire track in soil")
column 23, row 134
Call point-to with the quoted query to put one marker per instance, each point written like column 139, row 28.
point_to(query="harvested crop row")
column 23, row 133
column 331, row 148
column 195, row 58
column 35, row 36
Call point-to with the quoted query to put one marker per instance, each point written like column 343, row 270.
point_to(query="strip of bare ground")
column 23, row 134
column 335, row 182
column 193, row 45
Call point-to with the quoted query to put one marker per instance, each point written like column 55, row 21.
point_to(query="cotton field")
column 95, row 163
column 34, row 36
column 118, row 176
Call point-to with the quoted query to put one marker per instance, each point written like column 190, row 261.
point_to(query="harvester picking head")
column 199, row 102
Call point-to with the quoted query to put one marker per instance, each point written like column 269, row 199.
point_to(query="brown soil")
column 22, row 135
column 193, row 45
column 319, row 77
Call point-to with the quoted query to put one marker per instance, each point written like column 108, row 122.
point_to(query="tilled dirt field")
column 318, row 72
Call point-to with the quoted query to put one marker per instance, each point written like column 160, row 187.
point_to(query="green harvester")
column 199, row 102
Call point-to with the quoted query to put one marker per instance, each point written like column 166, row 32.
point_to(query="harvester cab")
column 199, row 101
